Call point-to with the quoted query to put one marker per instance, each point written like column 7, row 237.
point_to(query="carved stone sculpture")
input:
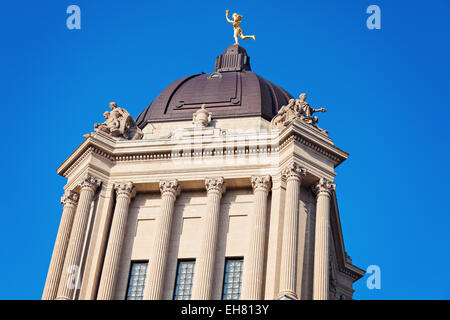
column 119, row 124
column 285, row 116
column 297, row 109
column 201, row 118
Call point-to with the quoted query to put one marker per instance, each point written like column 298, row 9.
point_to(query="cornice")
column 317, row 142
column 212, row 146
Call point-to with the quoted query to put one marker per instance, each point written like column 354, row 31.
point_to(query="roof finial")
column 237, row 19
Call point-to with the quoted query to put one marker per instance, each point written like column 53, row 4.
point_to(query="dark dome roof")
column 232, row 90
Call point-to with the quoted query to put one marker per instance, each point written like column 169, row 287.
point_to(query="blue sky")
column 386, row 92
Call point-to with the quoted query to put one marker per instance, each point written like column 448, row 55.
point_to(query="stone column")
column 69, row 201
column 71, row 270
column 154, row 284
column 323, row 190
column 254, row 261
column 124, row 192
column 204, row 266
column 293, row 175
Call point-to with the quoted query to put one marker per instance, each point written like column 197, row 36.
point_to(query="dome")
column 231, row 91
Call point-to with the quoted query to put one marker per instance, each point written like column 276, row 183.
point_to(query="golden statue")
column 237, row 19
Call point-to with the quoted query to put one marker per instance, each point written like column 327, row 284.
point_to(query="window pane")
column 183, row 284
column 232, row 279
column 136, row 281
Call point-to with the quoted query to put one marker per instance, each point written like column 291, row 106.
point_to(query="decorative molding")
column 89, row 182
column 273, row 146
column 215, row 185
column 262, row 183
column 352, row 274
column 169, row 187
column 324, row 187
column 90, row 150
column 70, row 198
column 125, row 189
column 293, row 171
column 316, row 148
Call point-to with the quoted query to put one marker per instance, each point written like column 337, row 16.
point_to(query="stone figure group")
column 119, row 124
column 297, row 109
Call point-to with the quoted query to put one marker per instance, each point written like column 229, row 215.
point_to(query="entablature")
column 214, row 144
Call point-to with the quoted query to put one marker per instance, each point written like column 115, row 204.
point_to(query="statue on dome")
column 237, row 19
column 297, row 109
column 119, row 124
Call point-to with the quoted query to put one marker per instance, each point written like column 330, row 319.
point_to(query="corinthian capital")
column 215, row 185
column 125, row 189
column 170, row 187
column 89, row 182
column 69, row 198
column 261, row 183
column 293, row 170
column 324, row 186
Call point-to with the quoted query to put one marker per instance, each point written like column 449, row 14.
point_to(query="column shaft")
column 69, row 200
column 157, row 265
column 321, row 247
column 115, row 242
column 252, row 287
column 204, row 269
column 288, row 269
column 70, row 274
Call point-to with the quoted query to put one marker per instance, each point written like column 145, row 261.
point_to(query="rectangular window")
column 185, row 277
column 232, row 279
column 136, row 282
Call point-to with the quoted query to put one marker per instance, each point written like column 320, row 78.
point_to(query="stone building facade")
column 221, row 189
